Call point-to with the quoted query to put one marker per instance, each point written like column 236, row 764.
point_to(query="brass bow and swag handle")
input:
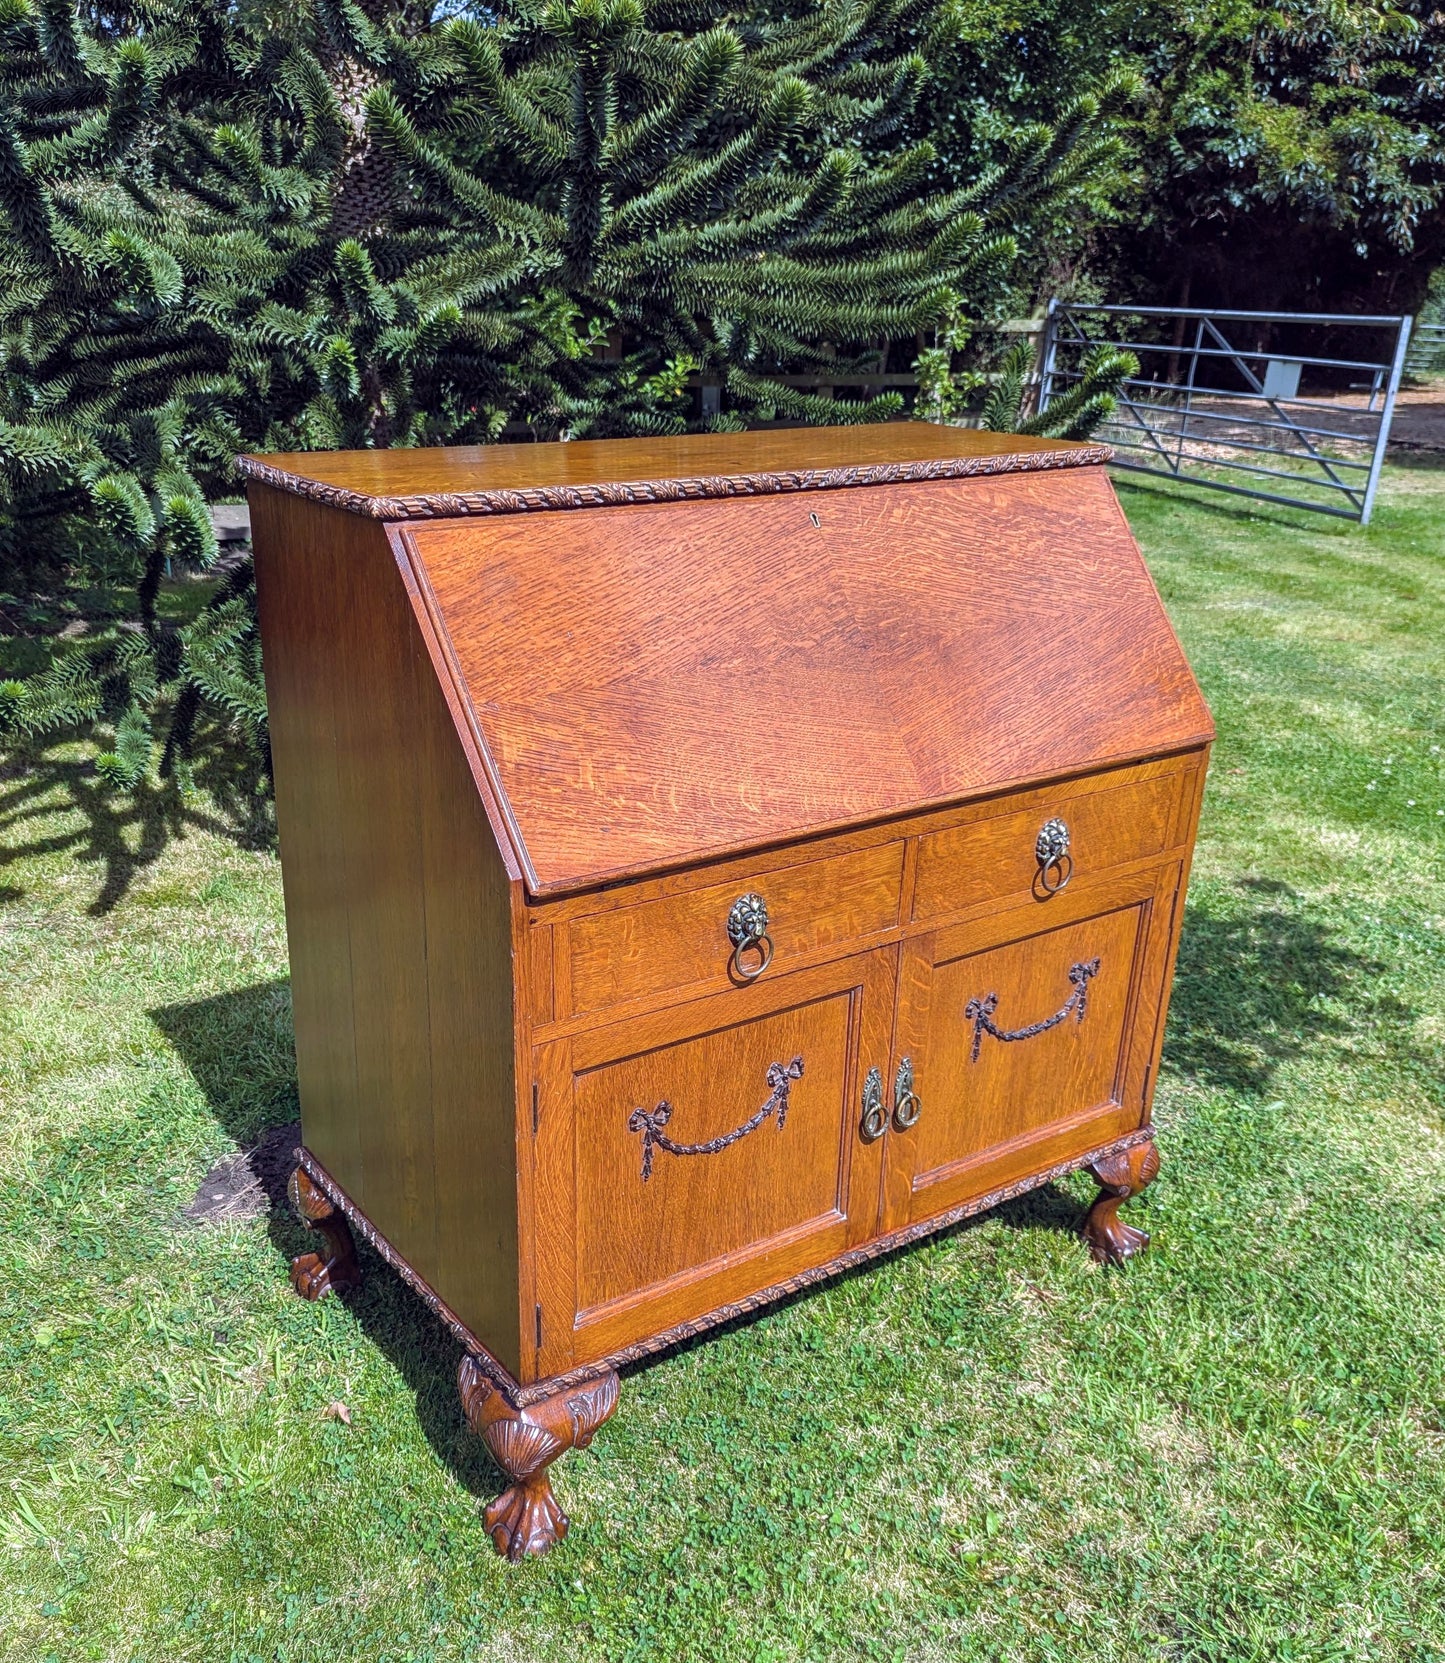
column 906, row 1103
column 652, row 1123
column 979, row 1014
column 980, row 1011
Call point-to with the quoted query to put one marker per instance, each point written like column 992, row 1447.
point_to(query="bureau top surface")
column 669, row 682
column 507, row 479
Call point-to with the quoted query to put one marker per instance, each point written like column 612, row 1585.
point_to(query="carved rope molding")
column 446, row 505
column 980, row 1011
column 650, row 1123
column 680, row 1333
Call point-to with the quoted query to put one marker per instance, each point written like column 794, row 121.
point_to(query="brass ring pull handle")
column 906, row 1104
column 1051, row 850
column 748, row 931
column 874, row 1122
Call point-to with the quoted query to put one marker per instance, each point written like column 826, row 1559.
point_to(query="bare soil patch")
column 249, row 1182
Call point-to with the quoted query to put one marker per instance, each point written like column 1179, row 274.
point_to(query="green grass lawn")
column 986, row 1447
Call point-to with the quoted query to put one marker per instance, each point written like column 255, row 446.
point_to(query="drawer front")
column 1028, row 1037
column 681, row 942
column 689, row 1158
column 997, row 858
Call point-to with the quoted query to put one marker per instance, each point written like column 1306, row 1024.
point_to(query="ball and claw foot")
column 1120, row 1176
column 526, row 1517
column 315, row 1274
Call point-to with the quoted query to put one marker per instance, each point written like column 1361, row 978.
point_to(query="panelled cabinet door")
column 1026, row 1037
column 687, row 1158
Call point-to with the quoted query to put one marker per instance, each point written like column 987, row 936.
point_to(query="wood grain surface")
column 398, row 914
column 985, row 1110
column 511, row 479
column 746, row 870
column 670, row 683
column 681, row 941
column 628, row 1255
column 984, row 860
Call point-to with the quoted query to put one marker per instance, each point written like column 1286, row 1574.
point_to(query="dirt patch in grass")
column 250, row 1182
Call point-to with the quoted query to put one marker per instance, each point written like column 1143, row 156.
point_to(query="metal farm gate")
column 1294, row 407
column 1427, row 348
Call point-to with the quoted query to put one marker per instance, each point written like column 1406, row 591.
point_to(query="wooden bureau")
column 709, row 863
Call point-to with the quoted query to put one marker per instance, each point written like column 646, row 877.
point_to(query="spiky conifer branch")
column 347, row 231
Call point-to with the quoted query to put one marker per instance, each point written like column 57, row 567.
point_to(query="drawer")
column 996, row 858
column 681, row 941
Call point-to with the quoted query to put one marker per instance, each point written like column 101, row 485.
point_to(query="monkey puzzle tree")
column 345, row 224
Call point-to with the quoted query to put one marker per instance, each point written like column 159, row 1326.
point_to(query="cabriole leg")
column 526, row 1518
column 1120, row 1176
column 315, row 1274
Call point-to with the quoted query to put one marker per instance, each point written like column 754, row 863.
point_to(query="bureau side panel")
column 296, row 559
column 420, row 1127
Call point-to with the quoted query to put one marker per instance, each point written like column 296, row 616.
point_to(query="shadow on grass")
column 1260, row 981
column 1418, row 460
column 240, row 1050
column 122, row 833
column 1258, row 984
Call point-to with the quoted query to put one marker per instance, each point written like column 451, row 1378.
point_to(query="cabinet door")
column 688, row 1159
column 1029, row 1036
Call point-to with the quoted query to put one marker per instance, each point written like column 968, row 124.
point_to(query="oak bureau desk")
column 709, row 863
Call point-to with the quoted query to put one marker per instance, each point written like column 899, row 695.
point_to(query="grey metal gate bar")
column 1427, row 348
column 1190, row 378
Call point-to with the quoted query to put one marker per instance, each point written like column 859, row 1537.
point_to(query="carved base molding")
column 527, row 1427
column 315, row 1274
column 521, row 1396
column 498, row 1373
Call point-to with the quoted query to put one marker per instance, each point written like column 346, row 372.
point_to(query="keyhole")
column 817, row 523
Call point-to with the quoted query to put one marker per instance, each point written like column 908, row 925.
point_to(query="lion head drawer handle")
column 651, row 1123
column 748, row 932
column 1051, row 850
column 980, row 1011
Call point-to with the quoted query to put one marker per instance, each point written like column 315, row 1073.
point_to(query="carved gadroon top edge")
column 446, row 505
